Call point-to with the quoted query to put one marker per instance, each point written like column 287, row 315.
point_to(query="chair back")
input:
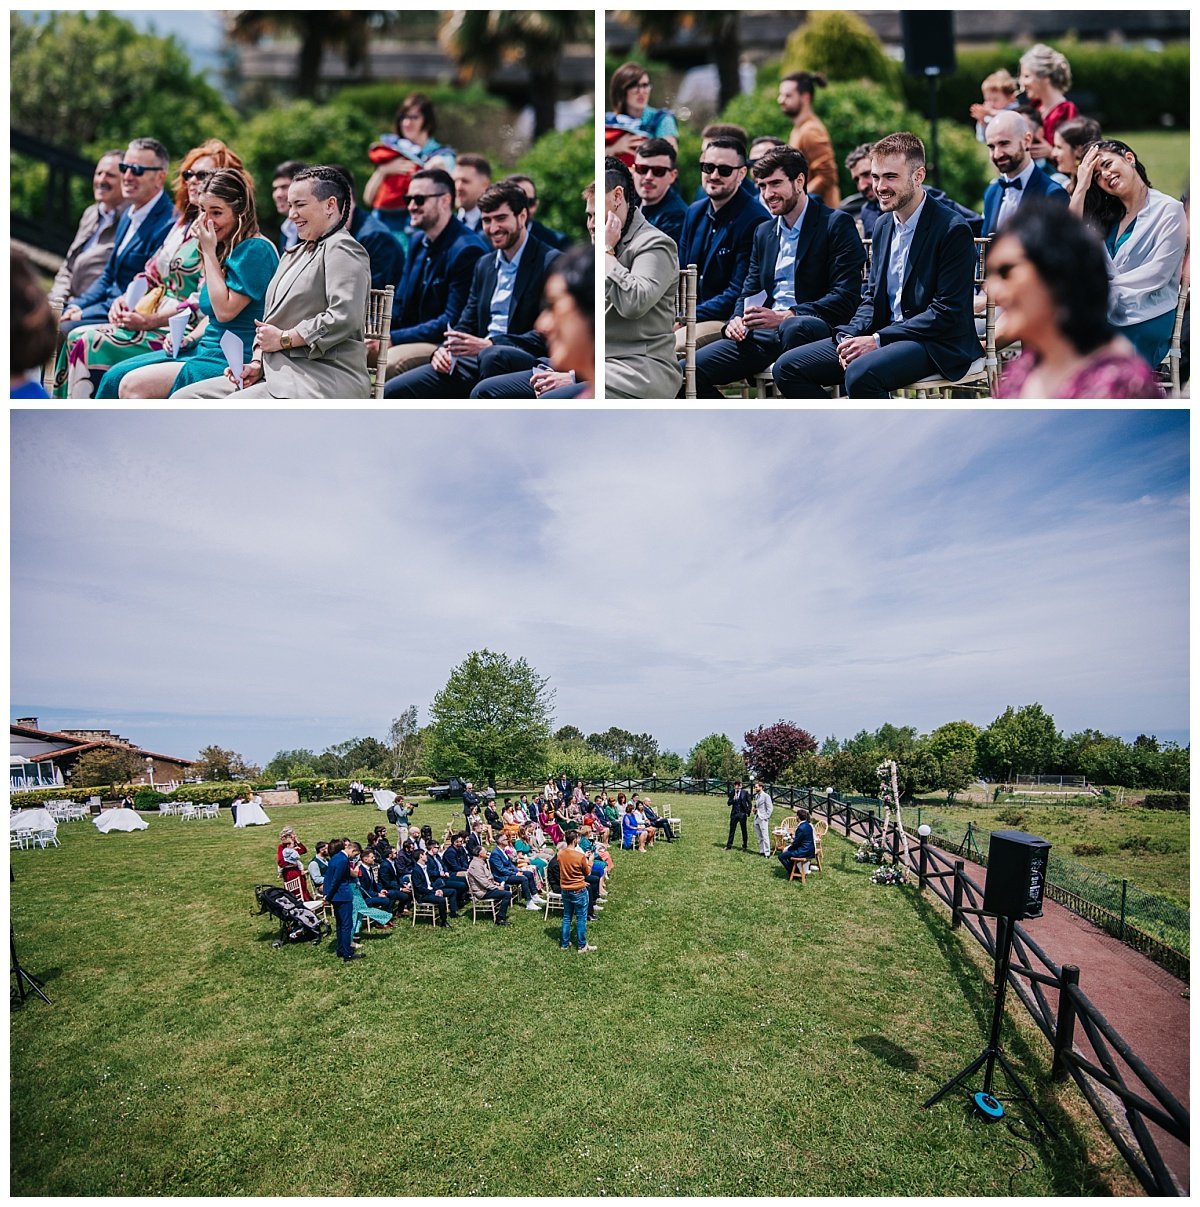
column 1169, row 370
column 377, row 325
column 685, row 313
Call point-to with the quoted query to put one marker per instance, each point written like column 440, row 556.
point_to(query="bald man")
column 1008, row 141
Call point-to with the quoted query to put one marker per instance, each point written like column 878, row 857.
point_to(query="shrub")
column 34, row 797
column 563, row 163
column 842, row 46
column 1010, row 817
column 1087, row 848
column 1167, row 800
column 149, row 798
column 1137, row 843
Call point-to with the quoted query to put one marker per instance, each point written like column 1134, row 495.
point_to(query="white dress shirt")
column 136, row 217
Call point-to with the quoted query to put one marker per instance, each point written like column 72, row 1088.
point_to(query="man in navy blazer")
column 337, row 892
column 717, row 236
column 495, row 332
column 808, row 262
column 915, row 315
column 1008, row 140
column 437, row 277
column 140, row 232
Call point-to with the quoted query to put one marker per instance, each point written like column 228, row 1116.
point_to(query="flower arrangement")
column 889, row 875
column 869, row 851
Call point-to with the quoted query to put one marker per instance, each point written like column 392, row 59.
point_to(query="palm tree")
column 723, row 30
column 480, row 41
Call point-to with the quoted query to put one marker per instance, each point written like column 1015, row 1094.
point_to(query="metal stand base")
column 27, row 983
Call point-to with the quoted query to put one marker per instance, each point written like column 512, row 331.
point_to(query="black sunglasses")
column 723, row 170
column 419, row 199
column 649, row 169
column 200, row 174
column 137, row 169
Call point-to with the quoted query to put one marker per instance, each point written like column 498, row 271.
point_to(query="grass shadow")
column 890, row 1053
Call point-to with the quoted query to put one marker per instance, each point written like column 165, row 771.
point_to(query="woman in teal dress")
column 238, row 266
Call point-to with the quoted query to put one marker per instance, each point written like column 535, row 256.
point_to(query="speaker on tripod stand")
column 1014, row 889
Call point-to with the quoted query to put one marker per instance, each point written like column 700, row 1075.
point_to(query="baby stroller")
column 297, row 923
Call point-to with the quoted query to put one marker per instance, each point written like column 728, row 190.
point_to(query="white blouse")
column 1144, row 274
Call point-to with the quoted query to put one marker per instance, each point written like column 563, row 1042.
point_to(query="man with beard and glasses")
column 915, row 315
column 654, row 177
column 495, row 333
column 808, row 262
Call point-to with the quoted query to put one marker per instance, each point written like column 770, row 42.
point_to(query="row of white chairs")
column 187, row 810
column 23, row 840
column 69, row 810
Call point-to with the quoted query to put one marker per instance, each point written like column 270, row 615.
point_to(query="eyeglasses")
column 137, row 169
column 412, row 117
column 200, row 174
column 641, row 84
column 650, row 169
column 419, row 199
column 724, row 170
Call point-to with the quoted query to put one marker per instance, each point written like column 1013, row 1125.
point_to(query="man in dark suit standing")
column 495, row 333
column 717, row 236
column 915, row 316
column 338, row 894
column 739, row 810
column 1008, row 141
column 808, row 262
column 140, row 232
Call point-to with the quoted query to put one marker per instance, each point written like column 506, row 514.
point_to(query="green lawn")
column 733, row 1035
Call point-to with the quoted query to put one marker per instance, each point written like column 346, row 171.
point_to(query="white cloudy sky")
column 280, row 579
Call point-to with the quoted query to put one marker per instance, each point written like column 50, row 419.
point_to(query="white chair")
column 187, row 811
column 553, row 899
column 43, row 838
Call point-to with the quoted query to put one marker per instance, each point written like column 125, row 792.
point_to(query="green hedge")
column 562, row 164
column 1178, row 801
column 1123, row 88
column 39, row 796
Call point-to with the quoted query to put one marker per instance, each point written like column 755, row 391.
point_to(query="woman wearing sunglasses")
column 172, row 277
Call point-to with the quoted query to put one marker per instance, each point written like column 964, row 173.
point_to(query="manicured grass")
column 1165, row 154
column 733, row 1035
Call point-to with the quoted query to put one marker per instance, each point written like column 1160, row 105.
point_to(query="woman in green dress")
column 238, row 266
column 172, row 278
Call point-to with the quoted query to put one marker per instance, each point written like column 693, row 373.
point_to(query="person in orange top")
column 809, row 134
column 573, row 868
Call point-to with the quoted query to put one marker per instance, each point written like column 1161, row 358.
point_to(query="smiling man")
column 654, row 177
column 93, row 242
column 1008, row 141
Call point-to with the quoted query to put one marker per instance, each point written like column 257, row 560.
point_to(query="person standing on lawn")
column 739, row 810
column 339, row 895
column 764, row 806
column 574, row 866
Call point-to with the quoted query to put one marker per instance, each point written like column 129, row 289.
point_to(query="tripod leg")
column 1023, row 1093
column 973, row 1067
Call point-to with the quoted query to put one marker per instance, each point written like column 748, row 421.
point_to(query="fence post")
column 895, row 846
column 1124, row 891
column 956, row 904
column 969, row 841
column 918, row 817
column 922, row 864
column 871, row 825
column 1064, row 1026
column 829, row 810
column 847, row 819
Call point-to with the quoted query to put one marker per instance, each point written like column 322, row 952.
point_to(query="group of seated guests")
column 202, row 267
column 785, row 281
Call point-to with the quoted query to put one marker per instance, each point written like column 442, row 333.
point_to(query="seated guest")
column 659, row 823
column 423, row 889
column 171, row 277
column 1041, row 152
column 539, row 230
column 1071, row 140
column 140, row 232
column 640, row 286
column 716, row 130
column 654, row 177
column 1008, row 143
column 632, row 120
column 310, row 341
column 456, row 857
column 281, row 180
column 808, row 133
column 761, row 145
column 507, row 872
column 493, row 818
column 523, row 845
column 483, row 886
column 317, row 866
column 549, row 823
column 864, row 205
column 237, row 263
column 452, row 883
column 374, row 894
column 915, row 317
column 387, row 256
column 93, row 241
column 632, row 834
column 808, row 262
column 32, row 330
column 472, row 176
column 803, row 845
column 1145, row 234
column 1050, row 273
column 495, row 333
column 718, row 233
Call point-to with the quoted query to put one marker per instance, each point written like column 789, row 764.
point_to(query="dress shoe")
column 355, row 955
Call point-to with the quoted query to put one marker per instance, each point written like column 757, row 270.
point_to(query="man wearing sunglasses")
column 437, row 279
column 654, row 176
column 717, row 236
column 808, row 262
column 140, row 232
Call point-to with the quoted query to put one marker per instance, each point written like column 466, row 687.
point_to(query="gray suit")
column 321, row 294
column 640, row 284
column 82, row 268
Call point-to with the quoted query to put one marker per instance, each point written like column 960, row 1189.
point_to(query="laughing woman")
column 238, row 265
column 1145, row 235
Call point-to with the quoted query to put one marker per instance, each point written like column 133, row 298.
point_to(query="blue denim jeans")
column 575, row 904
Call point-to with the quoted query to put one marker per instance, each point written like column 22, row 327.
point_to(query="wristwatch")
column 285, row 340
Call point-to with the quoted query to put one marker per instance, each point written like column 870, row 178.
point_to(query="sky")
column 283, row 579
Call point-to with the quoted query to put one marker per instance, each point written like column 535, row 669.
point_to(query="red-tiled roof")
column 77, row 747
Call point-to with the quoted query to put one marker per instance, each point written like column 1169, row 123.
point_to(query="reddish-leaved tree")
column 770, row 748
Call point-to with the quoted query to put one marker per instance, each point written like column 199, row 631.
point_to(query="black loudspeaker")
column 928, row 42
column 1016, row 874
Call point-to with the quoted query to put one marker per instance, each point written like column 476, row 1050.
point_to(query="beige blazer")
column 322, row 295
column 80, row 268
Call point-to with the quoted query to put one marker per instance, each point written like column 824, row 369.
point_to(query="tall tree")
column 480, row 40
column 770, row 748
column 955, row 737
column 290, row 764
column 404, row 740
column 216, row 763
column 1021, row 741
column 720, row 758
column 106, row 765
column 568, row 733
column 492, row 719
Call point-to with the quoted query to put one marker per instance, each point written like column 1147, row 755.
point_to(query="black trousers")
column 439, row 903
column 726, row 360
column 733, row 825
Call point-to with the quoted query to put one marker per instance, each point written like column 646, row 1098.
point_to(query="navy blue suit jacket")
column 724, row 267
column 457, row 860
column 668, row 215
column 124, row 264
column 387, row 256
column 1040, row 185
column 936, row 296
column 526, row 303
column 436, row 282
column 829, row 263
column 337, row 879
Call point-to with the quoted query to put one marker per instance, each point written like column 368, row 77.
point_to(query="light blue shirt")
column 783, row 291
column 902, row 237
column 506, row 279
